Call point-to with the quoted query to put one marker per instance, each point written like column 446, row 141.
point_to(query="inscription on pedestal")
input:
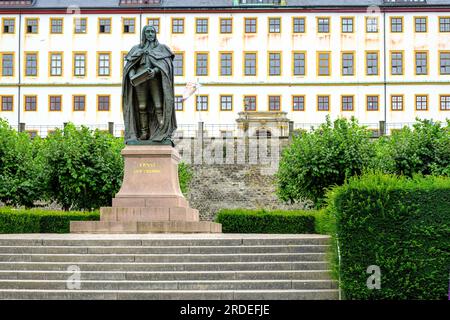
column 146, row 168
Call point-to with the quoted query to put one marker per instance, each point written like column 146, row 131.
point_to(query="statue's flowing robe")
column 162, row 58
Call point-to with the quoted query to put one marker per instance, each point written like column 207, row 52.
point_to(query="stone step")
column 172, row 285
column 172, row 295
column 151, row 267
column 190, row 242
column 167, row 258
column 169, row 275
column 230, row 250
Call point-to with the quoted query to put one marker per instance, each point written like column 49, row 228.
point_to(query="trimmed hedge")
column 41, row 221
column 398, row 224
column 262, row 221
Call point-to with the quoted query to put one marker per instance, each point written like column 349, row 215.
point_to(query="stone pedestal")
column 150, row 199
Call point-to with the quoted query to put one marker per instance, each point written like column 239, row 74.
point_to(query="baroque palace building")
column 386, row 62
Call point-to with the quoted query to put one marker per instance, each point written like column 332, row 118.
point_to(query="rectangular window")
column 178, row 64
column 250, row 103
column 79, row 64
column 201, row 103
column 444, row 24
column 299, row 63
column 274, row 103
column 179, row 103
column 124, row 55
column 397, row 103
column 347, row 25
column 226, row 25
column 55, row 103
column 274, row 63
column 323, row 63
column 30, row 103
column 79, row 103
column 80, row 25
column 396, row 24
column 226, row 64
column 323, row 25
column 372, row 103
column 371, row 63
column 31, row 66
column 445, row 103
column 348, row 64
column 32, row 25
column 104, row 64
column 201, row 26
column 201, row 65
column 250, row 25
column 250, row 64
column 103, row 103
column 298, row 103
column 56, row 64
column 129, row 25
column 226, row 103
column 396, row 63
column 56, row 25
column 33, row 133
column 7, row 64
column 371, row 24
column 154, row 22
column 177, row 25
column 323, row 103
column 104, row 25
column 421, row 102
column 7, row 103
column 274, row 25
column 420, row 24
column 9, row 25
column 444, row 62
column 347, row 103
column 298, row 25
column 421, row 63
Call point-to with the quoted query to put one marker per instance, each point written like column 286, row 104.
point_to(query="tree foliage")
column 84, row 168
column 20, row 167
column 322, row 158
column 424, row 149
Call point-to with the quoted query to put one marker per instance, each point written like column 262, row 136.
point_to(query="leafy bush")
column 398, row 224
column 325, row 157
column 262, row 221
column 40, row 221
column 20, row 167
column 77, row 168
column 185, row 176
column 424, row 149
column 84, row 168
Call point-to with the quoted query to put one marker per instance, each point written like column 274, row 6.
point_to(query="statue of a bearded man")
column 148, row 92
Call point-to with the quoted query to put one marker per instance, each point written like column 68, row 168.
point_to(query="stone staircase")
column 165, row 266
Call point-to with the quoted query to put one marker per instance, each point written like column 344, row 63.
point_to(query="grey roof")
column 191, row 4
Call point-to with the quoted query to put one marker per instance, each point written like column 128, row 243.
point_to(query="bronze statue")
column 148, row 92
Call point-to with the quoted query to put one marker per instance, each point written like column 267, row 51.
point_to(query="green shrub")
column 84, row 168
column 185, row 176
column 20, row 168
column 40, row 221
column 424, row 149
column 325, row 157
column 398, row 224
column 262, row 221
